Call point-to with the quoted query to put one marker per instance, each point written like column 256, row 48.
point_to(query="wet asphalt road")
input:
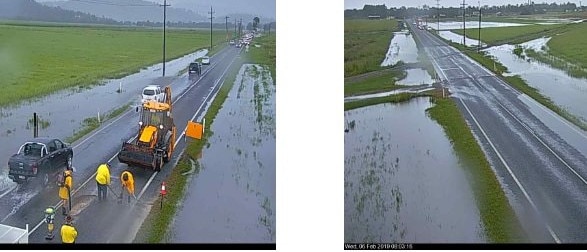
column 538, row 156
column 109, row 222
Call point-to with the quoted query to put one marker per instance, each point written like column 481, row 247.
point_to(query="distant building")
column 374, row 17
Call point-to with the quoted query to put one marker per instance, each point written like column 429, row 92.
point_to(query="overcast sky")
column 265, row 8
column 358, row 4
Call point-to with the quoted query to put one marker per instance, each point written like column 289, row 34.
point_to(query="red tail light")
column 34, row 165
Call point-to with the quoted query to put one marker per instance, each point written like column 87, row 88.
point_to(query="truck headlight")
column 161, row 126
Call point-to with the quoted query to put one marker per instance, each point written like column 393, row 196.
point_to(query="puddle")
column 403, row 183
column 456, row 38
column 567, row 92
column 232, row 198
column 401, row 48
column 469, row 24
column 415, row 77
column 64, row 111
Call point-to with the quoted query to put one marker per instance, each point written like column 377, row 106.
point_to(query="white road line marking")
column 554, row 236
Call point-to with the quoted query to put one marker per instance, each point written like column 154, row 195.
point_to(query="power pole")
column 211, row 17
column 437, row 16
column 240, row 28
column 226, row 23
column 464, row 11
column 479, row 38
column 164, row 20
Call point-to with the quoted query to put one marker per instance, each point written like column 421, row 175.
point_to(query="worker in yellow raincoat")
column 65, row 191
column 68, row 232
column 128, row 182
column 103, row 180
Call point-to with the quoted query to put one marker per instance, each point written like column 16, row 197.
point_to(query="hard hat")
column 68, row 172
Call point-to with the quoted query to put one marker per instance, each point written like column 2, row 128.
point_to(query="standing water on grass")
column 415, row 77
column 565, row 91
column 456, row 38
column 62, row 113
column 232, row 196
column 401, row 48
column 403, row 183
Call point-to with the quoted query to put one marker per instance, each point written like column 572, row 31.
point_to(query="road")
column 538, row 157
column 109, row 222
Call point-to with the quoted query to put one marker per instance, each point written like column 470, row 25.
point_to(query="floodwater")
column 388, row 93
column 456, row 38
column 401, row 48
column 65, row 110
column 567, row 92
column 403, row 183
column 232, row 196
column 469, row 24
column 415, row 77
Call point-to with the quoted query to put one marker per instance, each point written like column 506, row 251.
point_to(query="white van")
column 153, row 92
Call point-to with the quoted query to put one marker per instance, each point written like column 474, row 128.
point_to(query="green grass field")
column 265, row 54
column 512, row 34
column 365, row 44
column 379, row 82
column 36, row 61
column 570, row 44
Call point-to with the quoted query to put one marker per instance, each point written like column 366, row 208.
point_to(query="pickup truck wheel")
column 69, row 162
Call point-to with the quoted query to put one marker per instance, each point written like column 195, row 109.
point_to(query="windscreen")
column 148, row 92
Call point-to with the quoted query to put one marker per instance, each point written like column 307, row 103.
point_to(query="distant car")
column 239, row 45
column 195, row 68
column 205, row 60
column 231, row 42
column 40, row 157
column 153, row 92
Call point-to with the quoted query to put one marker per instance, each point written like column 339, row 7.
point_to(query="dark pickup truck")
column 39, row 157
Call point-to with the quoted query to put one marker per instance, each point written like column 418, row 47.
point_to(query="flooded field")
column 415, row 77
column 403, row 183
column 469, row 24
column 456, row 38
column 401, row 48
column 62, row 113
column 232, row 197
column 567, row 92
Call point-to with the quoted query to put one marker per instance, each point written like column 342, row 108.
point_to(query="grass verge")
column 499, row 219
column 396, row 98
